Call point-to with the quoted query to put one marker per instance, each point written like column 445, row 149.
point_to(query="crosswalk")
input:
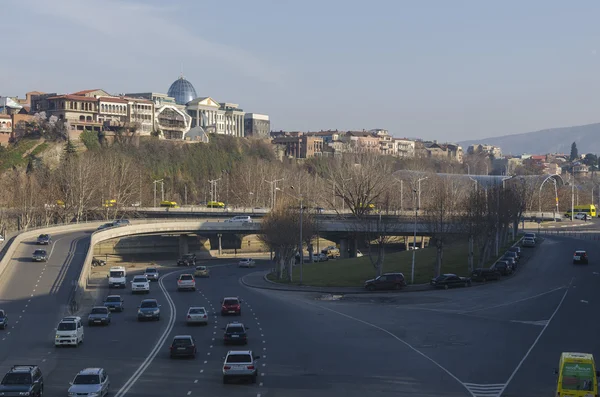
column 483, row 390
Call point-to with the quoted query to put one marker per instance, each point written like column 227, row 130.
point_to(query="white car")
column 69, row 332
column 240, row 364
column 1, row 238
column 186, row 281
column 580, row 215
column 240, row 219
column 140, row 284
column 89, row 382
column 196, row 315
column 247, row 262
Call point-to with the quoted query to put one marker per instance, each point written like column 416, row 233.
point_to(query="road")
column 499, row 339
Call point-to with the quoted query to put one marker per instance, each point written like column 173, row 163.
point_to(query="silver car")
column 91, row 382
column 152, row 274
column 240, row 364
column 528, row 242
column 196, row 315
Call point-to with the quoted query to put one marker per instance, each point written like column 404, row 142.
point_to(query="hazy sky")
column 446, row 69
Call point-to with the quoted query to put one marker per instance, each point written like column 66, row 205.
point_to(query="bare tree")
column 119, row 181
column 25, row 198
column 77, row 176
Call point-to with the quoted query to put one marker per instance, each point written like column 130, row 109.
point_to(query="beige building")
column 300, row 147
column 404, row 147
column 444, row 151
column 362, row 141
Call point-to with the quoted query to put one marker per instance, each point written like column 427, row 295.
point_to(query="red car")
column 231, row 306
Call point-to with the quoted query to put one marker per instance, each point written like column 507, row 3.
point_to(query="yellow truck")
column 577, row 375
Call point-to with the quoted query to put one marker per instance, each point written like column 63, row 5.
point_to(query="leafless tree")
column 26, row 197
column 78, row 184
column 119, row 181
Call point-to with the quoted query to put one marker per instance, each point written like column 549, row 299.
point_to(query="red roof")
column 111, row 99
column 82, row 93
column 538, row 157
column 75, row 98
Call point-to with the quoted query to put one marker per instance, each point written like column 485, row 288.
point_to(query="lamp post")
column 412, row 267
column 572, row 195
column 344, row 190
column 213, row 189
column 274, row 190
column 162, row 184
column 419, row 183
column 401, row 194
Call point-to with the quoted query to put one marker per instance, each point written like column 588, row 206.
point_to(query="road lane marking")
column 205, row 361
column 201, row 370
column 189, row 392
column 161, row 341
column 583, row 301
column 536, row 340
column 540, row 322
column 196, row 381
column 482, row 390
column 513, row 302
column 260, row 384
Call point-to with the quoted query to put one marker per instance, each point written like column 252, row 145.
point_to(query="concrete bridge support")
column 183, row 244
column 353, row 245
column 344, row 248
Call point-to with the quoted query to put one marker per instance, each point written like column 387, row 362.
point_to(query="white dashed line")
column 196, row 381
column 262, row 334
column 44, row 360
column 264, row 356
column 264, row 341
column 17, row 322
column 205, row 361
column 583, row 301
column 211, row 346
column 189, row 392
column 201, row 370
column 208, row 354
column 213, row 338
column 264, row 365
column 260, row 384
column 264, row 348
column 262, row 374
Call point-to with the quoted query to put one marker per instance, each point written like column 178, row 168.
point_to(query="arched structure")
column 182, row 90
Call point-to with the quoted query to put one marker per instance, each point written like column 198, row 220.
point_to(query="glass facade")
column 182, row 90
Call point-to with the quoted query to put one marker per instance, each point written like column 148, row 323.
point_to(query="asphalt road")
column 500, row 339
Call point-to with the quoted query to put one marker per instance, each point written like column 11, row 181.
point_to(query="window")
column 100, row 310
column 67, row 327
column 182, row 342
column 86, row 380
column 17, row 379
column 197, row 311
column 239, row 358
column 113, row 299
column 235, row 329
column 149, row 304
column 230, row 302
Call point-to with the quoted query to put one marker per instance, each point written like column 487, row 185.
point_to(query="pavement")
column 501, row 339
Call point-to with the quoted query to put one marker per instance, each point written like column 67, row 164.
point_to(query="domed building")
column 182, row 90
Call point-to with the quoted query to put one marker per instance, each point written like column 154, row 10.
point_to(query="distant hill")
column 553, row 140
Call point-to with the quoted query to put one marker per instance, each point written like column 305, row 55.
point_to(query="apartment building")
column 443, row 151
column 257, row 125
column 489, row 150
column 299, row 147
column 405, row 148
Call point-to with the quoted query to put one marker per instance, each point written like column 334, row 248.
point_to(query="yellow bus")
column 589, row 209
column 169, row 204
column 577, row 375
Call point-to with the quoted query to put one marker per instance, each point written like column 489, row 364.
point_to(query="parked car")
column 187, row 260
column 332, row 251
column 503, row 267
column 517, row 250
column 450, row 280
column 320, row 257
column 582, row 216
column 386, row 281
column 529, row 235
column 510, row 261
column 512, row 254
column 580, row 256
column 3, row 319
column 485, row 274
column 247, row 262
column 183, row 346
column 528, row 242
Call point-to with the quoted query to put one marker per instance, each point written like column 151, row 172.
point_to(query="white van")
column 240, row 219
column 117, row 277
column 69, row 332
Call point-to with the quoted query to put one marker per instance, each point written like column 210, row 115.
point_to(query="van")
column 69, row 332
column 240, row 219
column 117, row 277
column 577, row 375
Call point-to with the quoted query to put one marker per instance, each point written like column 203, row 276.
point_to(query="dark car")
column 114, row 303
column 100, row 315
column 106, row 226
column 39, row 256
column 44, row 239
column 516, row 249
column 23, row 380
column 149, row 309
column 187, row 260
column 3, row 319
column 580, row 256
column 512, row 254
column 386, row 281
column 511, row 260
column 235, row 333
column 450, row 281
column 121, row 222
column 503, row 267
column 183, row 346
column 231, row 306
column 483, row 274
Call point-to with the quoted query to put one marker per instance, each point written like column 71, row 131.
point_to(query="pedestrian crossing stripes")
column 482, row 390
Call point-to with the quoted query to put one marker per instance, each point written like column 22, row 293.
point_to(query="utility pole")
column 213, row 189
column 572, row 194
column 185, row 187
column 412, row 267
column 274, row 191
column 161, row 181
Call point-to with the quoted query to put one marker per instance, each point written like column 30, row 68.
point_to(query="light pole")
column 274, row 190
column 401, row 194
column 161, row 181
column 419, row 183
column 572, row 195
column 412, row 267
column 344, row 190
column 213, row 189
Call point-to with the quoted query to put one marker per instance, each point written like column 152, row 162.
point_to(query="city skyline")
column 435, row 71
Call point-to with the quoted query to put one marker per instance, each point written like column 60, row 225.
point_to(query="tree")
column 574, row 153
column 78, row 184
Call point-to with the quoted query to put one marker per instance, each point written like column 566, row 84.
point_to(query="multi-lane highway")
column 500, row 339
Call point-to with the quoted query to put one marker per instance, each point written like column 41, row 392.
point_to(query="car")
column 511, row 261
column 1, row 238
column 528, row 242
column 196, row 315
column 100, row 315
column 187, row 260
column 240, row 364
column 114, row 303
column 235, row 333
column 386, row 281
column 121, row 222
column 512, row 254
column 240, row 219
column 247, row 262
column 90, row 382
column 186, row 282
column 231, row 305
column 140, row 284
column 331, row 251
column 44, row 239
column 503, row 267
column 320, row 257
column 529, row 235
column 23, row 380
column 359, row 254
column 117, row 277
column 485, row 274
column 581, row 216
column 69, row 332
column 183, row 346
column 152, row 274
column 517, row 250
column 106, row 226
column 149, row 309
column 450, row 280
column 3, row 319
column 580, row 256
column 39, row 256
column 202, row 271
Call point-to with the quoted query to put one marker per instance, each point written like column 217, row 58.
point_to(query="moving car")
column 1, row 238
column 69, row 332
column 149, row 309
column 3, row 319
column 114, row 303
column 240, row 219
column 90, row 382
column 140, row 284
column 240, row 364
column 187, row 260
column 484, row 274
column 100, row 315
column 231, row 305
column 450, row 280
column 235, row 333
column 186, row 282
column 528, row 242
column 183, row 346
column 247, row 262
column 580, row 256
column 582, row 216
column 117, row 277
column 121, row 222
column 577, row 375
column 152, row 274
column 106, row 226
column 44, row 239
column 201, row 271
column 386, row 281
column 39, row 256
column 196, row 315
column 23, row 380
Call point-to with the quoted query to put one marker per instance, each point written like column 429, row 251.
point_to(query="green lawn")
column 13, row 156
column 353, row 272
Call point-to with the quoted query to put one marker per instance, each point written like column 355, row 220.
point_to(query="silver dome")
column 182, row 90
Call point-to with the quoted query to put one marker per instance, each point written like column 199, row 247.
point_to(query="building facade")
column 300, row 147
column 257, row 125
column 405, row 148
column 489, row 150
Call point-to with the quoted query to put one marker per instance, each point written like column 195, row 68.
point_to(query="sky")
column 445, row 70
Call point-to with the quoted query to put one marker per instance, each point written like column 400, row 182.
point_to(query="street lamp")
column 419, row 183
column 412, row 271
column 162, row 189
column 274, row 190
column 344, row 190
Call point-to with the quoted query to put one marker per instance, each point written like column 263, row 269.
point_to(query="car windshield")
column 147, row 305
column 113, row 299
column 67, row 327
column 578, row 376
column 116, row 273
column 201, row 268
column 182, row 342
column 43, row 236
column 151, row 270
column 17, row 379
column 228, row 302
column 39, row 252
column 86, row 380
column 188, row 256
column 239, row 358
column 99, row 310
column 235, row 329
column 186, row 277
column 139, row 279
column 197, row 311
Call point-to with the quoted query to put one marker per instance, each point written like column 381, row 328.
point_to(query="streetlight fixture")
column 213, row 189
column 274, row 190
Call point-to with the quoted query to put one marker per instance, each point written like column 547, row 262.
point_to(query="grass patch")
column 39, row 149
column 13, row 155
column 353, row 272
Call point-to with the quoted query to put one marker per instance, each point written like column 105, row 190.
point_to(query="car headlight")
column 57, row 336
column 72, row 394
column 140, row 312
column 156, row 311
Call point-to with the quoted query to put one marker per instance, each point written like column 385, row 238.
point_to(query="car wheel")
column 446, row 286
